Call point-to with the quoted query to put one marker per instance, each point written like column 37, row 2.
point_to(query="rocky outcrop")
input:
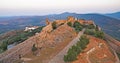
column 56, row 36
column 47, row 21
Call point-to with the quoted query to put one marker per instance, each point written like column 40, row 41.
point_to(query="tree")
column 89, row 32
column 91, row 26
column 76, row 23
column 78, row 27
column 76, row 49
column 54, row 25
column 97, row 28
column 69, row 24
column 71, row 55
column 34, row 48
column 4, row 46
column 99, row 34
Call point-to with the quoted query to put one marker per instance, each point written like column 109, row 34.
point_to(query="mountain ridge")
column 114, row 15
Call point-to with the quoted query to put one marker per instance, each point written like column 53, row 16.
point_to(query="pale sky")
column 44, row 7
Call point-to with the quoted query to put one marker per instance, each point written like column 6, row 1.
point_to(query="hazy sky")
column 43, row 7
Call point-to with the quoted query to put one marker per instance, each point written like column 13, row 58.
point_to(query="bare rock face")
column 71, row 19
column 60, row 22
column 55, row 36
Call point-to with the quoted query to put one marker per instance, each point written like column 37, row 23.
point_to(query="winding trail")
column 59, row 57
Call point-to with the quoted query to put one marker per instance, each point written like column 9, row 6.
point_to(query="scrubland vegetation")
column 20, row 37
column 76, row 49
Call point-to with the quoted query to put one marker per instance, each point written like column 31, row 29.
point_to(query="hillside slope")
column 114, row 15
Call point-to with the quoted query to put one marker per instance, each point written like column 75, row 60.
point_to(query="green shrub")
column 76, row 23
column 118, row 55
column 96, row 33
column 71, row 55
column 76, row 49
column 97, row 28
column 91, row 26
column 69, row 24
column 89, row 31
column 20, row 37
column 78, row 27
column 3, row 46
column 99, row 34
column 54, row 25
column 34, row 48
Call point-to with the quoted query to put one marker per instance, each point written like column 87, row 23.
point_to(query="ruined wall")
column 47, row 21
column 81, row 21
column 59, row 22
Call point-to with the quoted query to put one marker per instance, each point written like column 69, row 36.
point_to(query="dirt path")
column 59, row 57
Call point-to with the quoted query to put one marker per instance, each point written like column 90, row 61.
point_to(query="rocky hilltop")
column 54, row 37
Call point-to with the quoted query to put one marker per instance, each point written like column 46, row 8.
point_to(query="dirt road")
column 59, row 57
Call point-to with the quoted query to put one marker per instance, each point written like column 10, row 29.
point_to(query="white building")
column 31, row 28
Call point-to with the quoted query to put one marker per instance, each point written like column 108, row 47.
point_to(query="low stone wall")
column 113, row 43
column 12, row 55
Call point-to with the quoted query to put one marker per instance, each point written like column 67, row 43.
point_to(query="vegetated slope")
column 96, row 51
column 10, row 34
column 15, row 37
column 114, row 15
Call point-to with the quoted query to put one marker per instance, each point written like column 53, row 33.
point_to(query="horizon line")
column 58, row 13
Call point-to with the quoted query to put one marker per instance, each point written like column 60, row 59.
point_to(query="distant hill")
column 114, row 15
column 109, row 25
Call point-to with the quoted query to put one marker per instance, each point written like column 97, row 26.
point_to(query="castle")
column 71, row 19
column 48, row 33
column 47, row 37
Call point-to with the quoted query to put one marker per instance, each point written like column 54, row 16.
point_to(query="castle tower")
column 47, row 21
column 70, row 19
